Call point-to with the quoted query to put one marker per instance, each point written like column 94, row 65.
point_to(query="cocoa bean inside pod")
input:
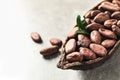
column 87, row 53
column 108, row 6
column 74, row 56
column 116, row 2
column 49, row 50
column 95, row 37
column 110, row 22
column 72, row 33
column 98, row 49
column 100, row 19
column 116, row 15
column 94, row 13
column 56, row 41
column 70, row 46
column 108, row 43
column 116, row 29
column 88, row 14
column 83, row 40
column 94, row 26
column 118, row 23
column 107, row 33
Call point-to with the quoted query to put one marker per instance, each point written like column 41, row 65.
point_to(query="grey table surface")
column 19, row 55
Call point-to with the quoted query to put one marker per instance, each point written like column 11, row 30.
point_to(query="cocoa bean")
column 74, row 56
column 100, row 19
column 116, row 30
column 49, row 50
column 110, row 22
column 83, row 40
column 87, row 53
column 95, row 37
column 98, row 49
column 108, row 6
column 56, row 41
column 70, row 46
column 94, row 26
column 72, row 33
column 116, row 15
column 107, row 33
column 108, row 43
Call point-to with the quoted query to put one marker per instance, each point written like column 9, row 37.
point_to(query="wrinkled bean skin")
column 107, row 33
column 98, row 49
column 87, row 53
column 108, row 43
column 74, row 56
column 100, row 19
column 70, row 46
column 83, row 40
column 95, row 37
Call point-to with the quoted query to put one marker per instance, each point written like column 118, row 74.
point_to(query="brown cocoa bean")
column 88, row 14
column 118, row 23
column 108, row 12
column 87, row 53
column 98, row 49
column 94, row 26
column 107, row 33
column 94, row 13
column 36, row 37
column 108, row 6
column 110, row 22
column 74, row 56
column 49, row 50
column 83, row 40
column 108, row 43
column 70, row 46
column 116, row 15
column 72, row 33
column 56, row 41
column 101, row 17
column 116, row 2
column 116, row 30
column 95, row 37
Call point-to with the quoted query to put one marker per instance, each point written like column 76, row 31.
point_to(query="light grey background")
column 19, row 55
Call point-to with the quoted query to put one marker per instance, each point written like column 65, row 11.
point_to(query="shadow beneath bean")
column 110, row 70
column 52, row 56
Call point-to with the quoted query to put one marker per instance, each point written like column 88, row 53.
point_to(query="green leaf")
column 84, row 23
column 82, row 31
column 79, row 22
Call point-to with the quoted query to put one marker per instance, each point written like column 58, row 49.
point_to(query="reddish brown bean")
column 83, row 40
column 74, row 56
column 110, row 22
column 36, row 37
column 116, row 29
column 72, row 33
column 94, row 26
column 98, row 49
column 116, row 15
column 108, row 43
column 95, row 37
column 100, row 19
column 87, row 53
column 70, row 46
column 49, row 50
column 107, row 33
column 56, row 41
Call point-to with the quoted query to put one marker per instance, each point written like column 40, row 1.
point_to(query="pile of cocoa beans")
column 103, row 24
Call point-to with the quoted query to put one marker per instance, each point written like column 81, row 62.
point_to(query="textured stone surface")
column 19, row 55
